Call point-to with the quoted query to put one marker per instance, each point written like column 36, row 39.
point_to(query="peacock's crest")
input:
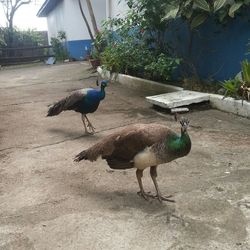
column 184, row 124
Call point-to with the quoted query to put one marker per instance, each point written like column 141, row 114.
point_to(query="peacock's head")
column 184, row 124
column 104, row 83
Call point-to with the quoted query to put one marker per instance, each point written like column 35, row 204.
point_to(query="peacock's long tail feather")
column 57, row 108
column 81, row 156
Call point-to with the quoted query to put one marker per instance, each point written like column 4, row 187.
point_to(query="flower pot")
column 94, row 63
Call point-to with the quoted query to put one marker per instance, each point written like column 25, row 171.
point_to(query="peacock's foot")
column 143, row 195
column 91, row 128
column 89, row 132
column 161, row 198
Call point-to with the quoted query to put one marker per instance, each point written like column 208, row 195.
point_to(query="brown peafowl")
column 140, row 146
column 83, row 101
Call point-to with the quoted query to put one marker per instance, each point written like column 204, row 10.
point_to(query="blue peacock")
column 83, row 101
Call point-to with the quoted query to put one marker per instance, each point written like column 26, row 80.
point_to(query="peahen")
column 83, row 101
column 140, row 146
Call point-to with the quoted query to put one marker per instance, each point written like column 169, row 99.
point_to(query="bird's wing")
column 67, row 102
column 126, row 143
column 74, row 97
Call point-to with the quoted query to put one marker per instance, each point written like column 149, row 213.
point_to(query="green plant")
column 2, row 40
column 231, row 87
column 134, row 43
column 98, row 45
column 162, row 66
column 10, row 7
column 245, row 67
column 58, row 45
column 26, row 38
column 61, row 35
column 239, row 87
column 196, row 12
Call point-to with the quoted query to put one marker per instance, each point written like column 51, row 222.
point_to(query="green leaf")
column 234, row 8
column 198, row 20
column 188, row 13
column 187, row 3
column 171, row 14
column 219, row 4
column 245, row 65
column 202, row 4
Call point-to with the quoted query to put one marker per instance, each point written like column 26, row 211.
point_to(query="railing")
column 23, row 55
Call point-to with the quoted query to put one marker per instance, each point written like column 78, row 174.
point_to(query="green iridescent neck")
column 177, row 142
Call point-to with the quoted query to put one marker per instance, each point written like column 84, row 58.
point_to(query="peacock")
column 83, row 101
column 141, row 146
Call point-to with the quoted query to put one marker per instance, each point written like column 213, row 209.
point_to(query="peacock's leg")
column 90, row 126
column 153, row 174
column 139, row 174
column 83, row 121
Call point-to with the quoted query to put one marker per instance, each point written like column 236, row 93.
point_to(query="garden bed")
column 139, row 83
column 230, row 105
column 216, row 101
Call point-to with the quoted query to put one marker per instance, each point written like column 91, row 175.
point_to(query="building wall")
column 221, row 49
column 55, row 20
column 217, row 51
column 67, row 17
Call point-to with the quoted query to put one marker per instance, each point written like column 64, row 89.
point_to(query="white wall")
column 67, row 17
column 116, row 8
column 55, row 20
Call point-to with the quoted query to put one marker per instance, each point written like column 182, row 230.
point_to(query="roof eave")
column 47, row 7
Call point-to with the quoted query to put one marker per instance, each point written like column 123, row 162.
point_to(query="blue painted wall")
column 217, row 51
column 79, row 49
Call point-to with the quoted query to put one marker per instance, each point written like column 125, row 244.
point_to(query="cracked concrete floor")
column 49, row 202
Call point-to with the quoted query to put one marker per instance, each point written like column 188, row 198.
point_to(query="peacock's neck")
column 179, row 145
column 102, row 93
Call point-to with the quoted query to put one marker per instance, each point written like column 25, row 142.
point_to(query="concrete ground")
column 47, row 201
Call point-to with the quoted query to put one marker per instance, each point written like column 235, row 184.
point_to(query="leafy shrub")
column 197, row 12
column 239, row 87
column 21, row 38
column 232, row 87
column 162, row 66
column 58, row 45
column 138, row 60
column 136, row 44
column 2, row 41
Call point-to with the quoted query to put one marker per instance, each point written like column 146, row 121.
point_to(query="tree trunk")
column 92, row 16
column 86, row 21
column 10, row 34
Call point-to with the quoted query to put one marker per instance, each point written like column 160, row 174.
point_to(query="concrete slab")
column 178, row 99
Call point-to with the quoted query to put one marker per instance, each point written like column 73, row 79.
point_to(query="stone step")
column 178, row 99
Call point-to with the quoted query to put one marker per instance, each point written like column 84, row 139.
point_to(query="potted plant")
column 94, row 58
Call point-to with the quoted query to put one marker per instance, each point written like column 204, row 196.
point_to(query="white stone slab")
column 178, row 99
